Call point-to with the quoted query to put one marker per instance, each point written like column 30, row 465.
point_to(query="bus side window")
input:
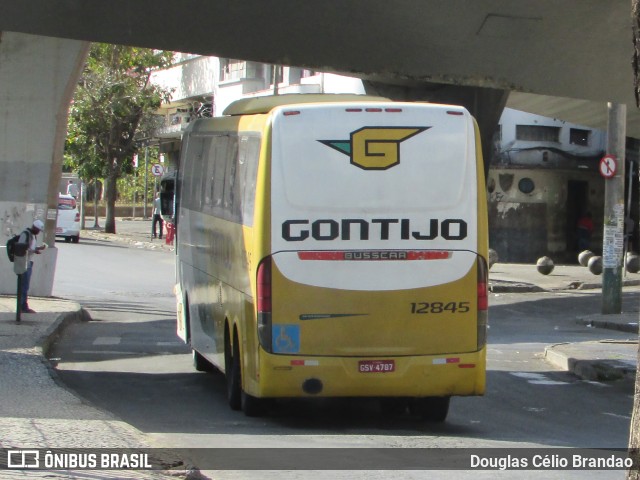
column 249, row 156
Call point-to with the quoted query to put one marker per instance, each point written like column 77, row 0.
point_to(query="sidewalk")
column 36, row 412
column 603, row 360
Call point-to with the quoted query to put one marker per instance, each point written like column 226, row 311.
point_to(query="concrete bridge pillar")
column 485, row 104
column 38, row 76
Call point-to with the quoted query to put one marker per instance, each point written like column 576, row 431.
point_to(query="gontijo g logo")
column 374, row 148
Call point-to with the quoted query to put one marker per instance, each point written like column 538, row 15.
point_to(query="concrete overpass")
column 562, row 59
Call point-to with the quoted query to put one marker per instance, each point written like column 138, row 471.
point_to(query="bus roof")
column 256, row 105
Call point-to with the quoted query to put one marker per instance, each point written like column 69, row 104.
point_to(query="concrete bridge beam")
column 38, row 76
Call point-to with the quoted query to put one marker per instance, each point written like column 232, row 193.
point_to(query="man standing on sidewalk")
column 28, row 238
column 157, row 215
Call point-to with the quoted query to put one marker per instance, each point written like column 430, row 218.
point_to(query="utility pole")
column 146, row 180
column 612, row 168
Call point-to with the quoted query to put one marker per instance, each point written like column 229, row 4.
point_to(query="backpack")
column 16, row 249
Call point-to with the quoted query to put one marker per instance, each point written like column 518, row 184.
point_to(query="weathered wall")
column 525, row 226
column 37, row 79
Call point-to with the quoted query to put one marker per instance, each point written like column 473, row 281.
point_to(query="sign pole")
column 613, row 227
column 19, row 298
column 146, row 180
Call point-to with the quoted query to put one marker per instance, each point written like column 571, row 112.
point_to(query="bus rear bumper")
column 414, row 376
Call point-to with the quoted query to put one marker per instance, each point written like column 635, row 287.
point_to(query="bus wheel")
column 200, row 363
column 431, row 409
column 393, row 406
column 233, row 372
column 253, row 406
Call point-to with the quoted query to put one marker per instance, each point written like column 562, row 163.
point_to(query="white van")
column 68, row 220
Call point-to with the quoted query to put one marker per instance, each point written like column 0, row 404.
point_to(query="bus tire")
column 233, row 371
column 431, row 409
column 200, row 363
column 393, row 405
column 252, row 406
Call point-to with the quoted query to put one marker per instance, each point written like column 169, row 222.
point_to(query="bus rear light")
column 483, row 301
column 263, row 303
column 453, row 112
column 373, row 110
column 290, row 113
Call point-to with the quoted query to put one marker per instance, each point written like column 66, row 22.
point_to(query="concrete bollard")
column 583, row 257
column 545, row 265
column 595, row 265
column 632, row 262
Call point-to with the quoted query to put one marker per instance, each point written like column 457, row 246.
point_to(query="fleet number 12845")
column 440, row 307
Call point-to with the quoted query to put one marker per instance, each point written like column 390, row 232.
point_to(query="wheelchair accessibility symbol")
column 286, row 338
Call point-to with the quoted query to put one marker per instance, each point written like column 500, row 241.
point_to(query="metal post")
column 83, row 198
column 146, row 180
column 613, row 234
column 19, row 299
column 135, row 192
column 276, row 79
column 627, row 218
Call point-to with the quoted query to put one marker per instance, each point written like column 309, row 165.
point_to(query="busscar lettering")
column 327, row 229
column 375, row 255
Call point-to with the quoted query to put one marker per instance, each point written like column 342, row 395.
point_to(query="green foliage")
column 112, row 105
column 131, row 186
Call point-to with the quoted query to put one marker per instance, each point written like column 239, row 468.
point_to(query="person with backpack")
column 24, row 263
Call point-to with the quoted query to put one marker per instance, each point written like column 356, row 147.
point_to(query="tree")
column 113, row 103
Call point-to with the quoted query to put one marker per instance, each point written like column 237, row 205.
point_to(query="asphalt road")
column 129, row 362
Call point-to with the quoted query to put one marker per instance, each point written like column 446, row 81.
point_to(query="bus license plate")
column 376, row 366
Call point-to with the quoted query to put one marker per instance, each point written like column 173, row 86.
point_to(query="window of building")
column 232, row 69
column 254, row 70
column 578, row 136
column 538, row 133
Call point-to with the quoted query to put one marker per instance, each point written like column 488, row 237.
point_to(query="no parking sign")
column 157, row 170
column 608, row 166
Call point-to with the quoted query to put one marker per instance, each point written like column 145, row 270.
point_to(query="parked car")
column 68, row 224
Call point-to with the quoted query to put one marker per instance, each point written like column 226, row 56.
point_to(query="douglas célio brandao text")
column 551, row 461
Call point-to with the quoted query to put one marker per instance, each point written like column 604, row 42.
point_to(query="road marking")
column 107, row 341
column 537, row 378
column 106, row 352
column 625, row 417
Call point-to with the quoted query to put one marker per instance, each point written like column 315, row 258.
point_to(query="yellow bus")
column 335, row 246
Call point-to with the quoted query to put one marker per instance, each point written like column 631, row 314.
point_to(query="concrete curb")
column 44, row 344
column 596, row 322
column 594, row 361
column 501, row 286
column 57, row 327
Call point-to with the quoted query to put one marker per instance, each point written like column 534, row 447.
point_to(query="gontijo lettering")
column 376, row 229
